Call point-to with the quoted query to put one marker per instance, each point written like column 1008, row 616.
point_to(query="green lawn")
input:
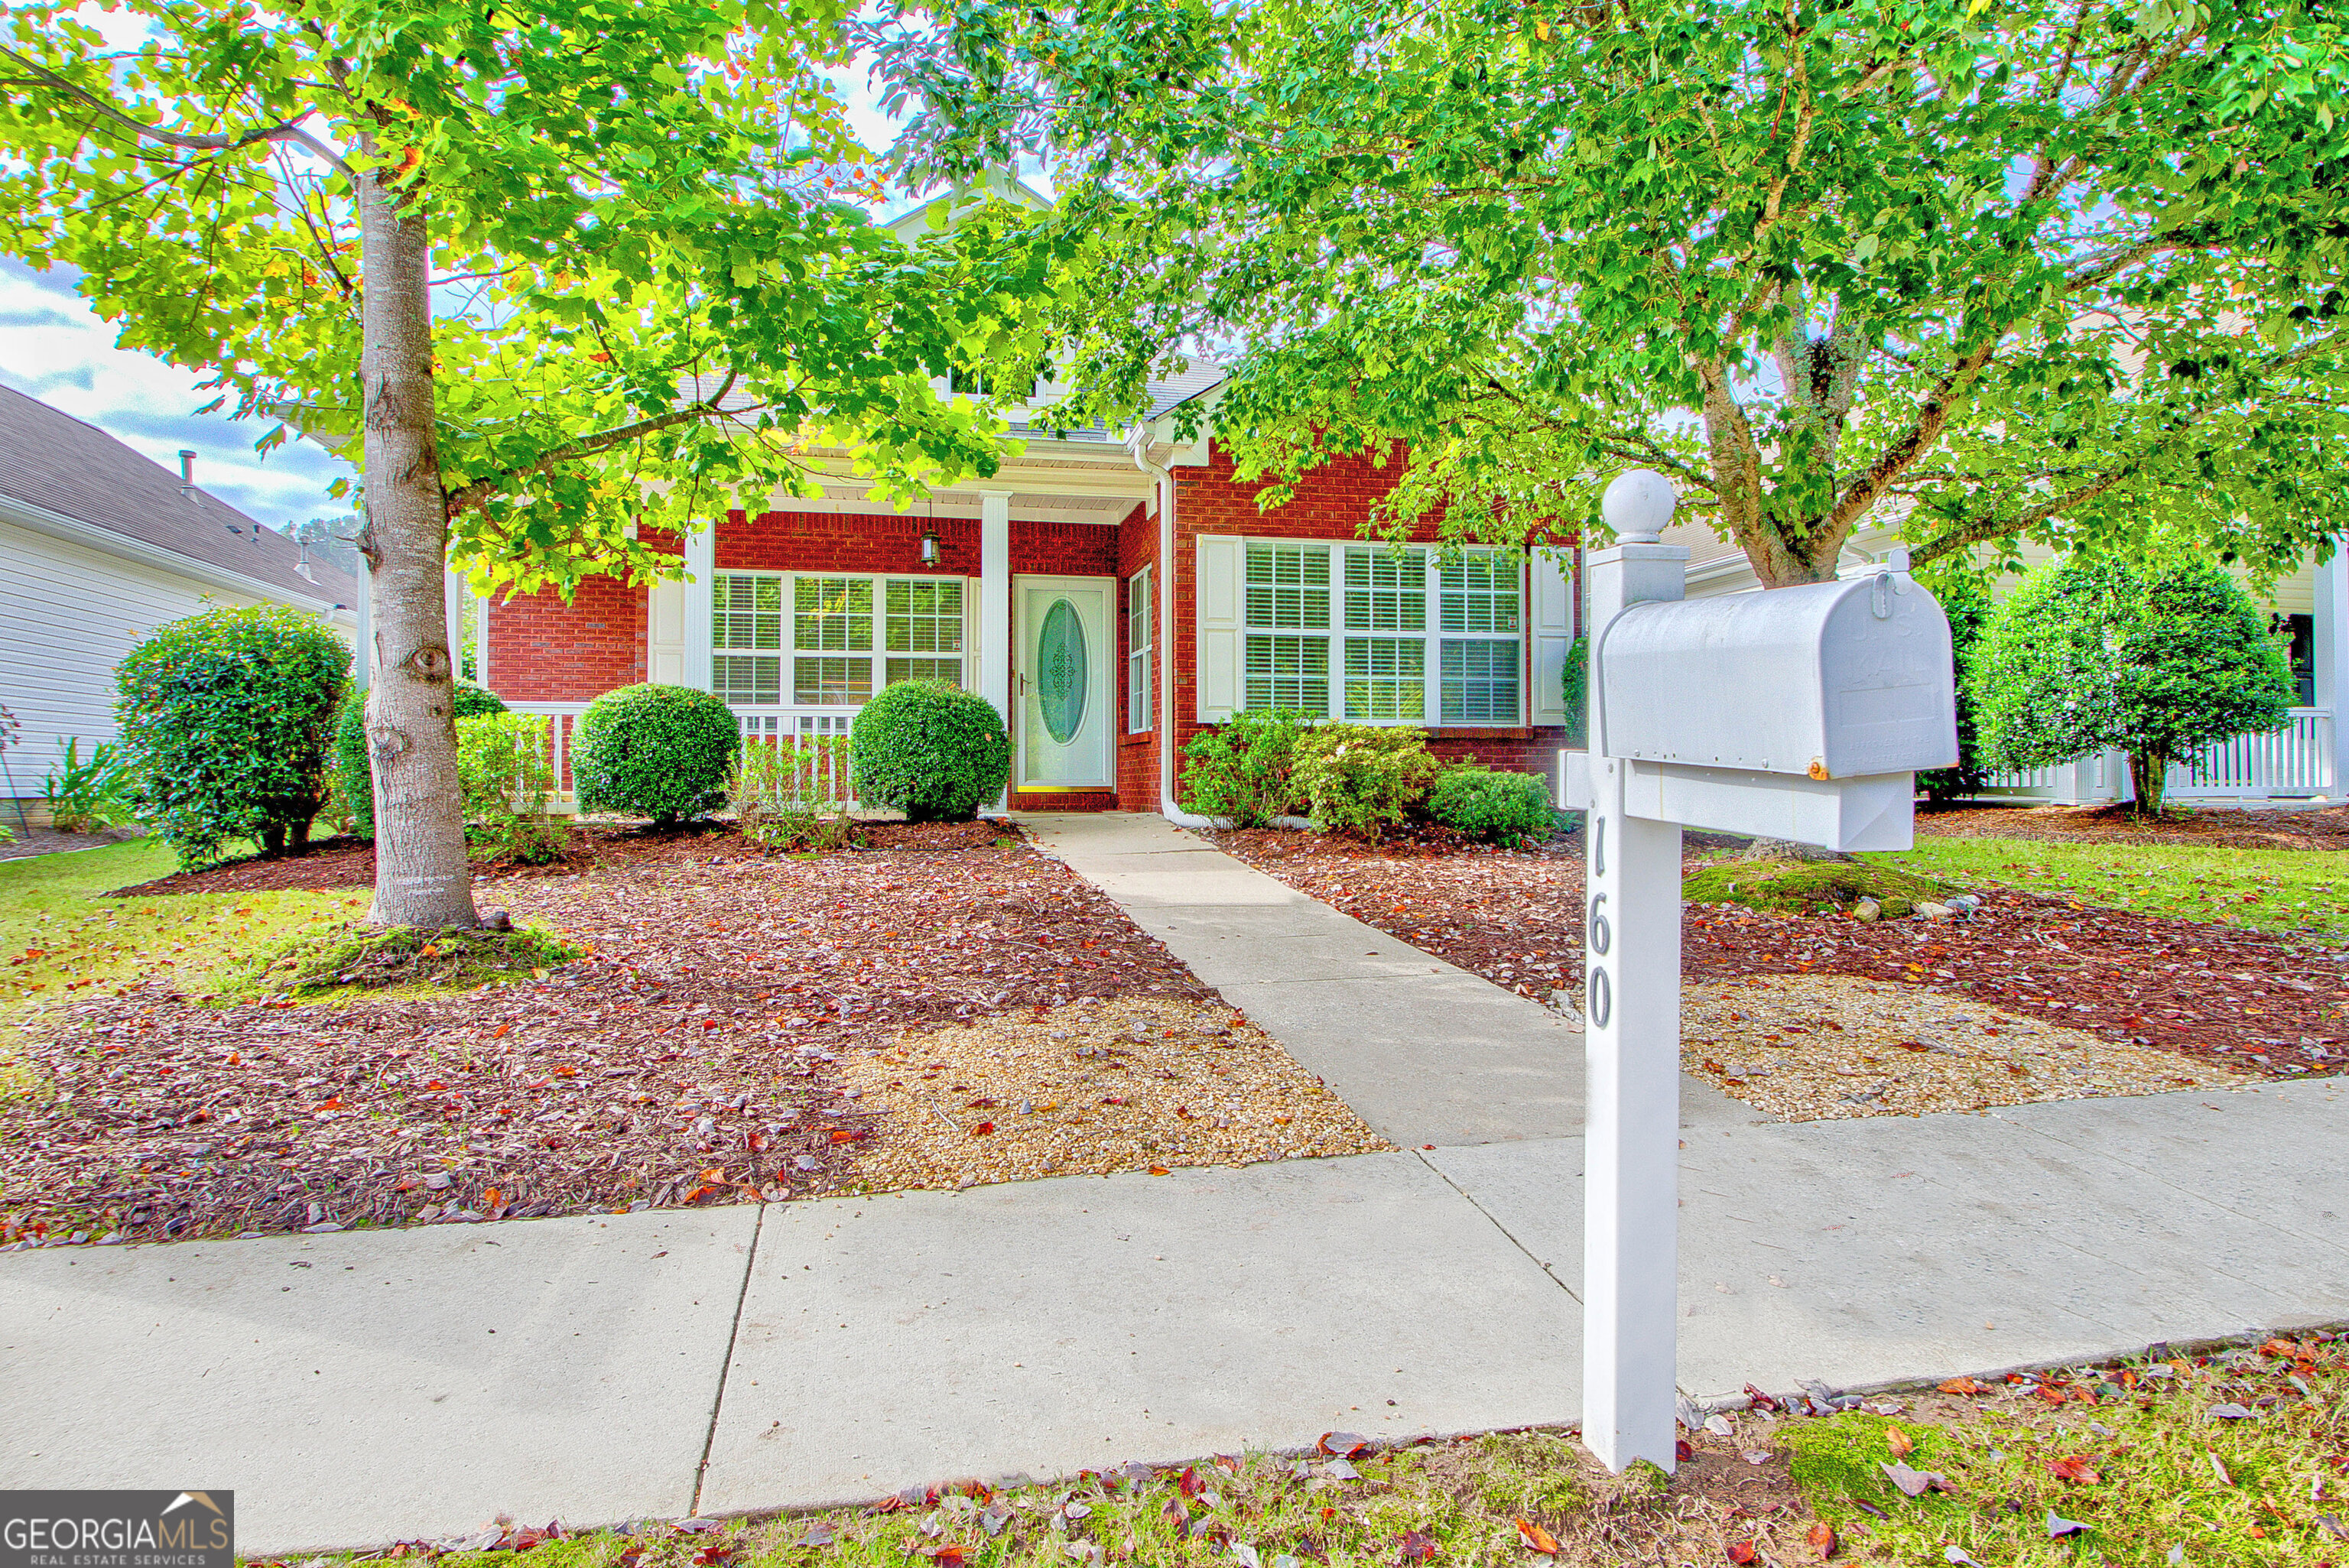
column 2304, row 891
column 59, row 941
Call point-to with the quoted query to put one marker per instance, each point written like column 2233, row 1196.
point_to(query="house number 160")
column 1599, row 991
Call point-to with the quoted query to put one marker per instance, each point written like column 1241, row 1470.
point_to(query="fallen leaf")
column 1901, row 1444
column 2058, row 1527
column 1536, row 1538
column 1822, row 1540
column 1416, row 1546
column 2075, row 1470
column 716, row 1551
column 2230, row 1411
column 1744, row 1552
column 1761, row 1401
column 982, row 1130
column 1189, row 1483
column 1345, row 1445
column 817, row 1534
column 1914, row 1483
column 1961, row 1385
column 1956, row 1556
column 1684, row 1451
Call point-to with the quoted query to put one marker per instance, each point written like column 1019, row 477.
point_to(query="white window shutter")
column 1552, row 626
column 664, row 631
column 1219, row 592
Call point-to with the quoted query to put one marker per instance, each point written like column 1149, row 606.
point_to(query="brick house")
column 1110, row 593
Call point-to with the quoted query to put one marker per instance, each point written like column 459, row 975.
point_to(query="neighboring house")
column 1111, row 592
column 2307, row 761
column 97, row 547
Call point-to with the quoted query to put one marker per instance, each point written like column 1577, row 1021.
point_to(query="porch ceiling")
column 1106, row 506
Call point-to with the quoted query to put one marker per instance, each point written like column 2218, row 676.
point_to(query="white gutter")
column 106, row 541
column 1163, row 634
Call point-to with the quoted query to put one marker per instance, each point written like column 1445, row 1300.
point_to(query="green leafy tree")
column 2002, row 271
column 227, row 722
column 1967, row 605
column 542, row 271
column 2156, row 658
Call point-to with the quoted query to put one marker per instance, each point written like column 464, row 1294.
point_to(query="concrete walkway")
column 359, row 1389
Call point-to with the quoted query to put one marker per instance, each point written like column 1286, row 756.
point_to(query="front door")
column 1062, row 681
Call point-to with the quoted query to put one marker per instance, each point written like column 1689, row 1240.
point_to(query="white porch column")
column 700, row 571
column 995, row 600
column 363, row 630
column 2332, row 651
column 452, row 604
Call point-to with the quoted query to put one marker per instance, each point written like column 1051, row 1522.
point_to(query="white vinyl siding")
column 67, row 615
column 1364, row 633
column 820, row 640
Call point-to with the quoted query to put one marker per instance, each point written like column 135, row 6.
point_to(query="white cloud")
column 53, row 347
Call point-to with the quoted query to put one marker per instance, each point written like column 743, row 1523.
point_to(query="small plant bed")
column 1810, row 1048
column 983, row 834
column 2209, row 827
column 1814, row 887
column 2225, row 997
column 692, row 1054
column 2232, row 1458
column 356, row 956
column 1089, row 1088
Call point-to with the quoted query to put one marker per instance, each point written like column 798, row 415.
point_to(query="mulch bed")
column 2210, row 828
column 32, row 841
column 2249, row 1000
column 691, row 1058
column 349, row 861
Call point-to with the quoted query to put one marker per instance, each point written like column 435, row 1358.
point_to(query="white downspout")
column 1164, row 635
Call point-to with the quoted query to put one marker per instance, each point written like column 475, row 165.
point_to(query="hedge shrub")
column 657, row 752
column 1361, row 779
column 227, row 722
column 1240, row 772
column 507, row 778
column 931, row 749
column 1500, row 808
column 2154, row 657
column 354, row 780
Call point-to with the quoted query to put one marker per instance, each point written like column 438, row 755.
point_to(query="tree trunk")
column 421, row 877
column 2149, row 777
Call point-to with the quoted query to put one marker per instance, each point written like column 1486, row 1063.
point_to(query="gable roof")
column 52, row 463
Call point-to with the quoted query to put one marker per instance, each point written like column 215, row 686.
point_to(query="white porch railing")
column 2296, row 760
column 562, row 718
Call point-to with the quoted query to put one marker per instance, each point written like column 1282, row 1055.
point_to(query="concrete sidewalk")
column 363, row 1387
column 1427, row 1052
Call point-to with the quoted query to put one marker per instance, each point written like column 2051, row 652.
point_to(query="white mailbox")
column 1799, row 713
column 1834, row 680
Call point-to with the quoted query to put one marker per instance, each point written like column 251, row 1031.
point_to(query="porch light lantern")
column 930, row 544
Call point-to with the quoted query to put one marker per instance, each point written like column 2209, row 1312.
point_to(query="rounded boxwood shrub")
column 227, row 721
column 353, row 778
column 935, row 752
column 1505, row 808
column 657, row 752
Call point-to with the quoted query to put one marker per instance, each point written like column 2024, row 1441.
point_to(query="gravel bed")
column 695, row 1055
column 1814, row 1048
column 2220, row 996
column 1121, row 1084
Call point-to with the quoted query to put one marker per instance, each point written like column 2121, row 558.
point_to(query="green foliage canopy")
column 226, row 719
column 2003, row 271
column 647, row 262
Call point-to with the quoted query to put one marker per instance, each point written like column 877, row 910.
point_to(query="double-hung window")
column 1378, row 635
column 831, row 641
column 1139, row 612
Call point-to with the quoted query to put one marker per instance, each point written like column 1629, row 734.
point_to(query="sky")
column 53, row 347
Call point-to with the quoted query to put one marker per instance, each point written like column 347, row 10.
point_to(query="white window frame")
column 874, row 649
column 1141, row 651
column 1429, row 638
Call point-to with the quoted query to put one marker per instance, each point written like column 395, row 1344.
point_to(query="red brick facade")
column 541, row 650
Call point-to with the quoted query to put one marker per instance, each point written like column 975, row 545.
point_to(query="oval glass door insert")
column 1060, row 671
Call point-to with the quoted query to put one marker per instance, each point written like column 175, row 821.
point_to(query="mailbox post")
column 1796, row 714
